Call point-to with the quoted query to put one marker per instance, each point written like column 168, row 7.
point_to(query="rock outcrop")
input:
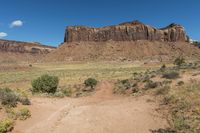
column 130, row 31
column 24, row 47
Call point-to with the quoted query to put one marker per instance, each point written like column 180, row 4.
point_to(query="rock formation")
column 130, row 31
column 24, row 47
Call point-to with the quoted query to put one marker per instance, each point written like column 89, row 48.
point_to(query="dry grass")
column 187, row 107
column 69, row 73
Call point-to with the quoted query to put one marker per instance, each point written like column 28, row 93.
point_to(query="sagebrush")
column 45, row 84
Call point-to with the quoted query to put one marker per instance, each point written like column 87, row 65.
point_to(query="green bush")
column 171, row 75
column 90, row 82
column 45, row 84
column 6, row 125
column 8, row 97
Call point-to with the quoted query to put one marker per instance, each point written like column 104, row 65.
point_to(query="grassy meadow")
column 69, row 73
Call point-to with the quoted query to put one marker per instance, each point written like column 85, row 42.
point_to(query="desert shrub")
column 59, row 94
column 45, row 84
column 8, row 97
column 24, row 100
column 6, row 125
column 146, row 78
column 179, row 119
column 126, row 85
column 162, row 68
column 90, row 82
column 166, row 82
column 179, row 122
column 163, row 90
column 24, row 114
column 168, row 99
column 180, row 83
column 21, row 114
column 179, row 61
column 150, row 84
column 75, row 90
column 11, row 113
column 182, row 104
column 122, row 85
column 171, row 75
column 66, row 91
column 164, row 130
column 135, row 74
column 135, row 89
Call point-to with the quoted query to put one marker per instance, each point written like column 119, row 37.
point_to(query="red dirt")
column 102, row 112
column 123, row 51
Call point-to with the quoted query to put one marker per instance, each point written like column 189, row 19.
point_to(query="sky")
column 45, row 21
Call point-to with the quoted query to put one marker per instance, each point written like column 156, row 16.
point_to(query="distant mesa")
column 128, row 31
column 127, row 41
column 24, row 47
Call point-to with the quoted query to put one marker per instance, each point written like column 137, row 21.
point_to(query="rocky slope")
column 130, row 31
column 124, row 51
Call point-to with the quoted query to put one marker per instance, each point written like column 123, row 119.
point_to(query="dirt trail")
column 102, row 112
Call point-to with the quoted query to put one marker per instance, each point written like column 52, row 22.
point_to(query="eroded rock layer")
column 24, row 47
column 130, row 31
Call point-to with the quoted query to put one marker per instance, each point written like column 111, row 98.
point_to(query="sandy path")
column 100, row 113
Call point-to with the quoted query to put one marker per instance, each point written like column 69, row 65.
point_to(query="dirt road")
column 102, row 112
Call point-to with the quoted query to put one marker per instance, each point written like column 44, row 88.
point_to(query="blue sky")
column 44, row 21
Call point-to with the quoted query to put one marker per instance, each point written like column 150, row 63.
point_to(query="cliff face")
column 130, row 31
column 24, row 47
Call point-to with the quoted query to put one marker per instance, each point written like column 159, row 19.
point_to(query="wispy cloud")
column 16, row 23
column 3, row 34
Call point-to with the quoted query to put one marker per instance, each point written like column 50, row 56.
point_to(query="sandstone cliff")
column 24, row 47
column 130, row 31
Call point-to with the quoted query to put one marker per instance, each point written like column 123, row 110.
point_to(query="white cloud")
column 16, row 23
column 3, row 34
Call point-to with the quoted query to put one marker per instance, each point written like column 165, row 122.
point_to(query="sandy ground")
column 102, row 112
